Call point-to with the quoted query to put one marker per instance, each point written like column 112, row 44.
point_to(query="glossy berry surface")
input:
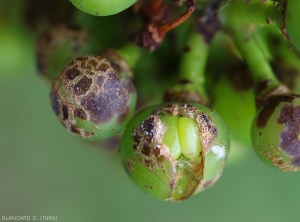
column 102, row 7
column 176, row 150
column 93, row 97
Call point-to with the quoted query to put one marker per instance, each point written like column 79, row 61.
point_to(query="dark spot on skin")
column 268, row 21
column 260, row 133
column 93, row 63
column 110, row 100
column 146, row 149
column 115, row 66
column 82, row 61
column 65, row 112
column 147, row 127
column 80, row 114
column 270, row 107
column 72, row 73
column 156, row 151
column 289, row 138
column 149, row 187
column 54, row 103
column 75, row 130
column 136, row 138
column 103, row 67
column 82, row 86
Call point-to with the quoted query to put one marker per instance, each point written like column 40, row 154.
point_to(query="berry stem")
column 190, row 86
column 131, row 53
column 247, row 43
column 193, row 62
column 259, row 13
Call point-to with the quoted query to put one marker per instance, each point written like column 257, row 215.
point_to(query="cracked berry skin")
column 94, row 97
column 170, row 171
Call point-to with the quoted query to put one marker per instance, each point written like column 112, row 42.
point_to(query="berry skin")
column 94, row 97
column 102, row 7
column 174, row 151
column 275, row 132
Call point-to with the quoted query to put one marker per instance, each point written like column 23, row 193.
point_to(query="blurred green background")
column 46, row 171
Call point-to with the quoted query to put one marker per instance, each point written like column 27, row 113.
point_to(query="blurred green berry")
column 174, row 151
column 102, row 7
column 94, row 96
column 57, row 46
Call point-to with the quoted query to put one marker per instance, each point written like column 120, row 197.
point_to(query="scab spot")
column 75, row 130
column 146, row 149
column 147, row 128
column 93, row 63
column 72, row 73
column 270, row 107
column 65, row 112
column 82, row 86
column 103, row 67
column 80, row 114
column 115, row 66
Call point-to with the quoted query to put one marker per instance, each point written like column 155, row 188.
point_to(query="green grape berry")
column 94, row 97
column 102, row 7
column 174, row 151
column 57, row 46
column 275, row 132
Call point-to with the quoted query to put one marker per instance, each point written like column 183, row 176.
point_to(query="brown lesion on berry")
column 152, row 153
column 82, row 86
column 97, row 94
column 289, row 138
column 269, row 107
column 80, row 113
column 272, row 154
